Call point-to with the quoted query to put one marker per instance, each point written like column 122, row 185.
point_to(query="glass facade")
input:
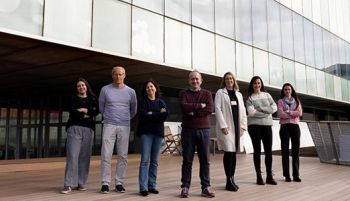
column 303, row 42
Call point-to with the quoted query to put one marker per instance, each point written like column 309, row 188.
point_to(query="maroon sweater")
column 193, row 115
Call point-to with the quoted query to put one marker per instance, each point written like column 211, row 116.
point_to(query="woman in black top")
column 152, row 113
column 80, row 133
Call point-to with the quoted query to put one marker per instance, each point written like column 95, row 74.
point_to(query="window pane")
column 25, row 16
column 287, row 3
column 309, row 43
column 179, row 9
column 327, row 49
column 298, row 34
column 243, row 21
column 297, row 6
column 288, row 71
column 316, row 11
column 112, row 26
column 333, row 17
column 147, row 34
column 244, row 59
column 318, row 41
column 225, row 55
column 334, row 51
column 203, row 50
column 287, row 33
column 341, row 50
column 203, row 14
column 154, row 5
column 311, row 80
column 276, row 70
column 324, row 12
column 177, row 43
column 261, row 65
column 338, row 88
column 224, row 17
column 3, row 115
column 65, row 116
column 329, row 85
column 274, row 26
column 259, row 10
column 25, row 116
column 321, row 83
column 300, row 75
column 2, row 142
column 68, row 20
column 307, row 9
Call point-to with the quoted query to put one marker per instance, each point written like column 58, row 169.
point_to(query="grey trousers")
column 110, row 135
column 78, row 148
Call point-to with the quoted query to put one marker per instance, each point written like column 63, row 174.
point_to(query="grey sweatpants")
column 78, row 148
column 110, row 135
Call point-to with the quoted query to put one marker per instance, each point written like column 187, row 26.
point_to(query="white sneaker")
column 66, row 190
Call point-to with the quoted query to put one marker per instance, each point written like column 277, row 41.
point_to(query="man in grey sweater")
column 118, row 105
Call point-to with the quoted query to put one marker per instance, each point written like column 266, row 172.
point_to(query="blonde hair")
column 235, row 84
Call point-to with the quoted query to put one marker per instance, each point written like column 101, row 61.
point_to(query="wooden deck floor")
column 41, row 179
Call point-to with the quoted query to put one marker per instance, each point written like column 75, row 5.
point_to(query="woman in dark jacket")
column 80, row 134
column 152, row 113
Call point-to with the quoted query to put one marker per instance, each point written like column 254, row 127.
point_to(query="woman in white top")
column 231, row 123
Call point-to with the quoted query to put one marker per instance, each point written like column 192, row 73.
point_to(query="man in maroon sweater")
column 197, row 106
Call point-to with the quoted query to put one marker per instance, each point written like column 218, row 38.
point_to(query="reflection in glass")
column 311, row 80
column 321, row 83
column 318, row 41
column 330, row 85
column 112, row 26
column 147, row 35
column 12, row 141
column 53, row 141
column 54, row 115
column 345, row 90
column 288, row 71
column 259, row 10
column 274, row 26
column 244, row 59
column 342, row 52
column 224, row 17
column 177, row 43
column 287, row 33
column 178, row 9
column 154, row 5
column 68, row 20
column 327, row 51
column 203, row 50
column 309, row 43
column 13, row 116
column 2, row 142
column 261, row 65
column 25, row 16
column 65, row 116
column 3, row 115
column 203, row 14
column 276, row 70
column 300, row 78
column 243, row 21
column 298, row 35
column 225, row 55
column 25, row 116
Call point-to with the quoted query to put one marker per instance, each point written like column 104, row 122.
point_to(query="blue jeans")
column 150, row 148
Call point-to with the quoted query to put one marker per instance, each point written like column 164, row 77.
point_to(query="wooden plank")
column 43, row 179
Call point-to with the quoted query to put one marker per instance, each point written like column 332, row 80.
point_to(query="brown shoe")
column 184, row 192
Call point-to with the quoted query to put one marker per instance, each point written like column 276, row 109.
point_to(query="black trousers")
column 260, row 133
column 292, row 132
column 190, row 140
column 229, row 160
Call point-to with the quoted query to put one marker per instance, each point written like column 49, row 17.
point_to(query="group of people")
column 118, row 105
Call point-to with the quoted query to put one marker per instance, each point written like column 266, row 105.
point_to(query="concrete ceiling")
column 30, row 67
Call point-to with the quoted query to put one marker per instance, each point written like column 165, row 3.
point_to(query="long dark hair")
column 144, row 92
column 251, row 89
column 294, row 93
column 89, row 91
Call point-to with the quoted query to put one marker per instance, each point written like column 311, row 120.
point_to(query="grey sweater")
column 117, row 105
column 267, row 105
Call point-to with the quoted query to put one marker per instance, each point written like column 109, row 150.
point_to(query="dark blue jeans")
column 150, row 147
column 192, row 139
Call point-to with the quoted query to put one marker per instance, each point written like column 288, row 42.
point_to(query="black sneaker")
column 207, row 192
column 144, row 193
column 105, row 189
column 120, row 189
column 154, row 191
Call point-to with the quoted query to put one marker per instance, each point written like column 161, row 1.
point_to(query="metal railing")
column 332, row 141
